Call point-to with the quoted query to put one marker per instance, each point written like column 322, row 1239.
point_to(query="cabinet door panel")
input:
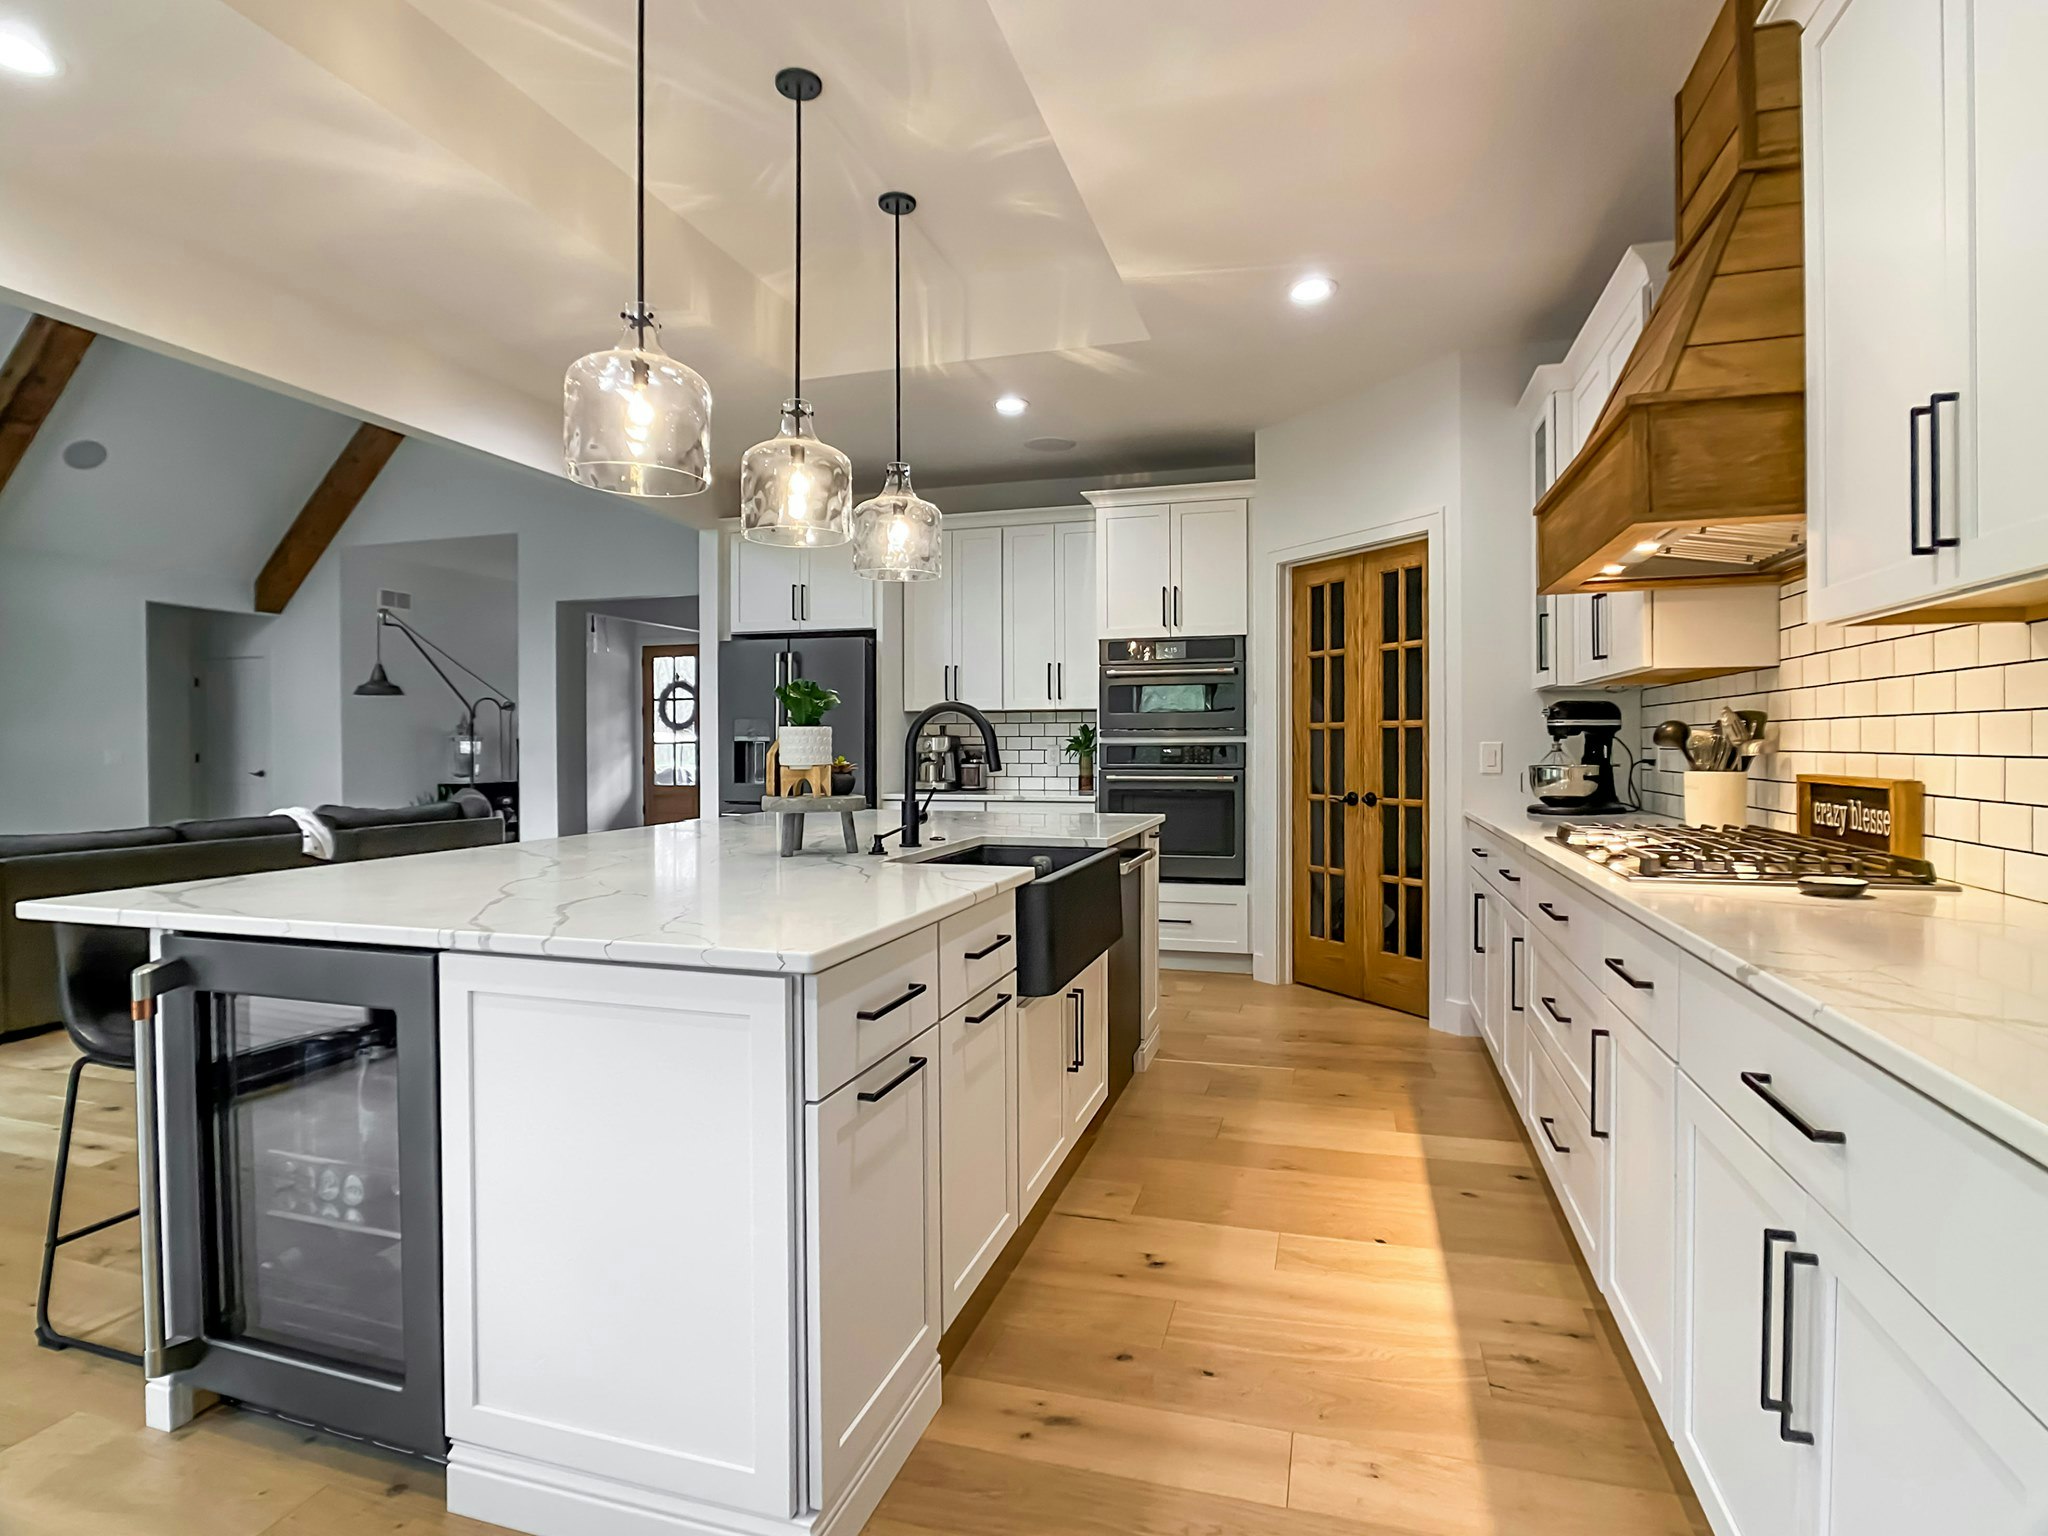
column 1879, row 281
column 766, row 586
column 1043, row 1041
column 1731, row 1195
column 1031, row 598
column 928, row 633
column 1135, row 571
column 977, row 1121
column 1641, row 1113
column 1086, row 1085
column 1209, row 560
column 874, row 1256
column 834, row 597
column 1512, row 961
column 978, row 617
column 1075, row 674
column 1478, row 974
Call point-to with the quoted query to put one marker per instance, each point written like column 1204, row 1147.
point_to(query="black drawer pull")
column 1514, row 972
column 1182, row 922
column 1481, row 853
column 1785, row 1430
column 1759, row 1083
column 1913, row 418
column 1550, row 1003
column 1551, row 1136
column 1545, row 908
column 1621, row 971
column 1935, row 536
column 1479, row 922
column 916, row 1066
column 1766, row 1400
column 1593, row 1040
column 1515, row 879
column 917, row 989
column 983, row 954
column 994, row 1008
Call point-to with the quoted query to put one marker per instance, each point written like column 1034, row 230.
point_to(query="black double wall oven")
column 298, row 1176
column 1172, row 721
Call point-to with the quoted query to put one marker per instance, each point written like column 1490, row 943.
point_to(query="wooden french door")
column 670, row 751
column 1360, row 777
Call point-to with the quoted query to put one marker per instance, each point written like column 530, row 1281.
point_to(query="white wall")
column 1438, row 454
column 204, row 473
column 397, row 751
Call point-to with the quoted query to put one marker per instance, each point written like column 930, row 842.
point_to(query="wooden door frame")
column 1271, row 880
column 647, row 785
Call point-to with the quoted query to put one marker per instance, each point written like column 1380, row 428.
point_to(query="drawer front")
column 1958, row 1218
column 1482, row 850
column 1639, row 973
column 1567, row 916
column 1563, row 1010
column 1575, row 1159
column 1509, row 875
column 857, row 1013
column 1186, row 923
column 977, row 948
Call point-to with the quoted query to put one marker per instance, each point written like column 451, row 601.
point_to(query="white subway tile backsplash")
column 1961, row 708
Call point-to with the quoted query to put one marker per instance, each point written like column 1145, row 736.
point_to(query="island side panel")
column 619, row 1222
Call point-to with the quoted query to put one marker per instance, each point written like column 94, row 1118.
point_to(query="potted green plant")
column 1081, row 748
column 806, row 741
column 842, row 775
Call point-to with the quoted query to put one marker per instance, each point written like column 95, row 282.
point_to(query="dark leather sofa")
column 72, row 863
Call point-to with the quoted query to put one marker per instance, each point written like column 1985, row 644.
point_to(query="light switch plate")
column 1490, row 757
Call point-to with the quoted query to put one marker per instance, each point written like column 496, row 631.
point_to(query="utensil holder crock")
column 1717, row 799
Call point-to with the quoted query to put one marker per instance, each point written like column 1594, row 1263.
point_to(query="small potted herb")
column 1081, row 748
column 806, row 742
column 842, row 776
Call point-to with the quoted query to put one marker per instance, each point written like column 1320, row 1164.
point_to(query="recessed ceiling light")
column 23, row 53
column 1612, row 570
column 1648, row 547
column 1051, row 444
column 1311, row 290
column 1012, row 405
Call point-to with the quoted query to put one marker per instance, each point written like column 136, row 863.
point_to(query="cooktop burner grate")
column 1732, row 855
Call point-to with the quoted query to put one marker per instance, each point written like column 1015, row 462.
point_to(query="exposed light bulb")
column 1012, row 405
column 639, row 410
column 1311, row 290
column 899, row 535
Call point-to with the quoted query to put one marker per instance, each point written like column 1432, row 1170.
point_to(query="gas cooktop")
column 1732, row 855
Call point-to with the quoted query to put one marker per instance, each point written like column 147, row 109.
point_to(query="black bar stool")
column 95, row 965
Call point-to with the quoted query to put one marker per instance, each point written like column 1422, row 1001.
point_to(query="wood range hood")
column 1695, row 472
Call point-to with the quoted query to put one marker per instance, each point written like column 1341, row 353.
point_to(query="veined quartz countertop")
column 1946, row 990
column 703, row 894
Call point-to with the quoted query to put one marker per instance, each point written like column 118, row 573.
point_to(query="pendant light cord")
column 796, row 389
column 899, row 338
column 640, row 182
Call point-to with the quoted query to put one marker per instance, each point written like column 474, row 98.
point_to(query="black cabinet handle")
column 1598, row 599
column 994, row 1008
column 1481, row 853
column 1548, row 911
column 1765, row 1398
column 1514, row 972
column 1074, row 1060
column 1551, row 1136
column 869, row 1015
column 1081, row 1026
column 1934, row 533
column 1181, row 922
column 1479, row 922
column 1551, row 1004
column 793, row 614
column 1162, row 608
column 1593, row 1071
column 983, row 954
column 1514, row 878
column 1543, row 639
column 1786, row 1432
column 875, row 1096
column 1176, row 605
column 1759, row 1083
column 1913, row 479
column 1621, row 971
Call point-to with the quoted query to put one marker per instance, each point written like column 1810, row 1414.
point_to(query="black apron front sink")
column 1071, row 912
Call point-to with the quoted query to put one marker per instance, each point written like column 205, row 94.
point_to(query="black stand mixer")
column 1585, row 787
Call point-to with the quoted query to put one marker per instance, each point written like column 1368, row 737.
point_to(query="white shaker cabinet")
column 1674, row 632
column 955, row 627
column 1171, row 567
column 1641, row 1087
column 978, row 1142
column 1481, row 946
column 1548, row 406
column 1086, row 1086
column 872, row 1218
column 776, row 588
column 1045, row 1040
column 1048, row 597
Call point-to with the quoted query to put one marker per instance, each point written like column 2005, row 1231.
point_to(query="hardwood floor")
column 1308, row 1281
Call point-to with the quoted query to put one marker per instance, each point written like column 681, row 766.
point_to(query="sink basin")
column 1066, row 916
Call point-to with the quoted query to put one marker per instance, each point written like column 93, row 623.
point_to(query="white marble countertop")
column 705, row 894
column 1947, row 990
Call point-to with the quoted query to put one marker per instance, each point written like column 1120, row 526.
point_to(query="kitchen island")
column 725, row 1142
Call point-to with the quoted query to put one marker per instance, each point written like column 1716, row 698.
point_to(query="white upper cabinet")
column 955, row 627
column 1549, row 408
column 1926, row 232
column 1049, row 594
column 1673, row 633
column 775, row 588
column 1171, row 568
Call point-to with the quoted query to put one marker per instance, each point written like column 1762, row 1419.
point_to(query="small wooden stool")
column 792, row 793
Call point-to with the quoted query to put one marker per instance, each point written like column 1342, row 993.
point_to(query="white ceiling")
column 420, row 210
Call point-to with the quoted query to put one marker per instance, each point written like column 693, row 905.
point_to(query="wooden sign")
column 1884, row 815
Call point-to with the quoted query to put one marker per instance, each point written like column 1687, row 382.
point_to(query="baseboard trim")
column 1194, row 960
column 1147, row 1049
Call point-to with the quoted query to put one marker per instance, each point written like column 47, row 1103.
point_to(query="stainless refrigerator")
column 749, row 671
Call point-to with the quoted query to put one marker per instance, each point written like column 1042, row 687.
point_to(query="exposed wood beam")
column 323, row 514
column 31, row 379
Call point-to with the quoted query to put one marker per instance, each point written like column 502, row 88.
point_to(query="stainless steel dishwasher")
column 1130, row 958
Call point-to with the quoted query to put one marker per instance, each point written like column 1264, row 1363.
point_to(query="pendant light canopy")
column 795, row 489
column 634, row 420
column 896, row 533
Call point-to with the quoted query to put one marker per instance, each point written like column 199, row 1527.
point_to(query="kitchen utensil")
column 1702, row 747
column 1716, row 798
column 1733, row 731
column 1670, row 734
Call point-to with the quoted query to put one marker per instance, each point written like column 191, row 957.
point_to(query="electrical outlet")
column 1491, row 758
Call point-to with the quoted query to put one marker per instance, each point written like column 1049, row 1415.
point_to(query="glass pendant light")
column 795, row 489
column 634, row 420
column 896, row 533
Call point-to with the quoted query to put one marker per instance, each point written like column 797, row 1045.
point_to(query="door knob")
column 1352, row 798
column 1371, row 798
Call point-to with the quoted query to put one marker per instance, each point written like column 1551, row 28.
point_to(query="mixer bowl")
column 1562, row 783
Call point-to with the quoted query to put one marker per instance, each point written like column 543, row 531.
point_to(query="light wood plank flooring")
column 1308, row 1281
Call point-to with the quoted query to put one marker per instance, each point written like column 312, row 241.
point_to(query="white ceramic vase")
column 804, row 746
column 1717, row 799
